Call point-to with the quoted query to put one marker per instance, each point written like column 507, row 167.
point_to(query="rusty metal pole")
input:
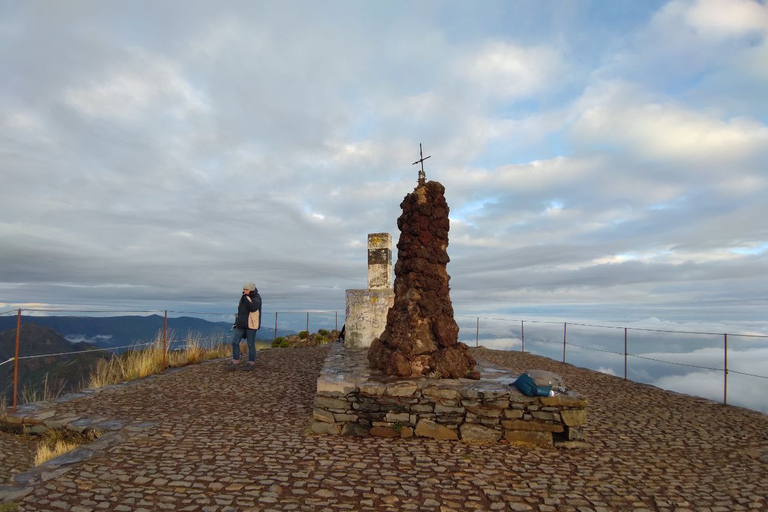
column 725, row 369
column 165, row 339
column 307, row 324
column 477, row 333
column 565, row 330
column 275, row 324
column 337, row 320
column 522, row 334
column 625, row 353
column 16, row 362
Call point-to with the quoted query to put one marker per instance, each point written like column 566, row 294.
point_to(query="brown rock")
column 479, row 434
column 530, row 437
column 428, row 428
column 421, row 335
column 532, row 426
column 384, row 432
column 574, row 417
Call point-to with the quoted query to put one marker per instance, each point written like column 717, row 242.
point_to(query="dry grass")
column 46, row 452
column 48, row 392
column 142, row 362
column 55, row 443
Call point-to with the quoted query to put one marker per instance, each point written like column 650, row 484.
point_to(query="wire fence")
column 292, row 320
column 549, row 338
column 554, row 339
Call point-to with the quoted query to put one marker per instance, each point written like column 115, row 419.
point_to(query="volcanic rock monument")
column 421, row 335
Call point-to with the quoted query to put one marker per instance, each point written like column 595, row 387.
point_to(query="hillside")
column 63, row 372
column 122, row 331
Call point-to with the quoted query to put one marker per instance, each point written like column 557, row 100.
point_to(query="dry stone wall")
column 353, row 400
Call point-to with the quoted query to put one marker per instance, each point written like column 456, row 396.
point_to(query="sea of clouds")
column 677, row 361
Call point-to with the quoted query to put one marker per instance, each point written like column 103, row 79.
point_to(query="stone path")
column 226, row 441
column 16, row 454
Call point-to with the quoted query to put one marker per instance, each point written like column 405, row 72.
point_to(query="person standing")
column 250, row 302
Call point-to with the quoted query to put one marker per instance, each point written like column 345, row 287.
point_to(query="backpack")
column 254, row 320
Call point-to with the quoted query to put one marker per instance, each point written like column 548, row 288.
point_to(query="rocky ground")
column 17, row 454
column 226, row 441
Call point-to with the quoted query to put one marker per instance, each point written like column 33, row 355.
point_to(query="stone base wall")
column 353, row 400
column 366, row 315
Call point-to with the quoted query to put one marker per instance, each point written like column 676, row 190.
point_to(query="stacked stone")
column 421, row 335
column 353, row 401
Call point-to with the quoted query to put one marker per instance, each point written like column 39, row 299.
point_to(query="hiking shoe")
column 231, row 367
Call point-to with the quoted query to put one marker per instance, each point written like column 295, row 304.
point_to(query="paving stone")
column 192, row 435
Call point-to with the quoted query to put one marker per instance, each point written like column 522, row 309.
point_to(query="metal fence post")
column 337, row 320
column 477, row 333
column 275, row 324
column 565, row 330
column 522, row 334
column 16, row 362
column 165, row 339
column 725, row 369
column 307, row 323
column 625, row 353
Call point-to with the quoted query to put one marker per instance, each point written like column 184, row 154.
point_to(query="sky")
column 600, row 155
column 603, row 160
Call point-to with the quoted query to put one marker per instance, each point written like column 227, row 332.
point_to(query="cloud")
column 506, row 70
column 726, row 18
column 617, row 166
column 742, row 391
column 130, row 89
column 610, row 114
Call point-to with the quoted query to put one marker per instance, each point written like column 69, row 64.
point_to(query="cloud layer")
column 610, row 157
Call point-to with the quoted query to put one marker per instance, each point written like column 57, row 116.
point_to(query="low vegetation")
column 55, row 443
column 133, row 364
column 48, row 391
column 142, row 362
column 304, row 339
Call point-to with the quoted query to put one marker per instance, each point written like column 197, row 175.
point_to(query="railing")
column 321, row 317
column 486, row 331
column 523, row 335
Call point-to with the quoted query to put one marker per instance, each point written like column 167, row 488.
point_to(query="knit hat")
column 249, row 286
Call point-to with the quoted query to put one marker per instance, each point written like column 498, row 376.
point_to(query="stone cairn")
column 421, row 335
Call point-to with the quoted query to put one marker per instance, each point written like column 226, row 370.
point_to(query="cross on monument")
column 422, row 174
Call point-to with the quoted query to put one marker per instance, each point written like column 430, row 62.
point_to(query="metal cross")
column 422, row 174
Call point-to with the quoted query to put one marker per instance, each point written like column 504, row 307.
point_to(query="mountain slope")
column 60, row 373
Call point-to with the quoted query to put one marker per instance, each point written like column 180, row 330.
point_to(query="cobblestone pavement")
column 227, row 441
column 16, row 454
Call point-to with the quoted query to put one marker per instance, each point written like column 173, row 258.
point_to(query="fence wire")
column 173, row 343
column 637, row 356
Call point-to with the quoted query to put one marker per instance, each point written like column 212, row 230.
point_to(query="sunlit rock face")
column 421, row 336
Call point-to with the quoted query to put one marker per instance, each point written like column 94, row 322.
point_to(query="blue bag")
column 528, row 387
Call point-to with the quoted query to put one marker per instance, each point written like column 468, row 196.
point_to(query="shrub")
column 320, row 339
column 323, row 332
column 284, row 344
column 277, row 341
column 303, row 335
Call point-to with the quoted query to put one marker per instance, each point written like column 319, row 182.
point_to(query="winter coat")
column 248, row 304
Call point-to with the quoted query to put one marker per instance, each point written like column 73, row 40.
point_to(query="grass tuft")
column 55, row 443
column 138, row 363
column 45, row 452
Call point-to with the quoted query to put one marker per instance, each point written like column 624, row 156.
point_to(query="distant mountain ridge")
column 64, row 372
column 123, row 331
